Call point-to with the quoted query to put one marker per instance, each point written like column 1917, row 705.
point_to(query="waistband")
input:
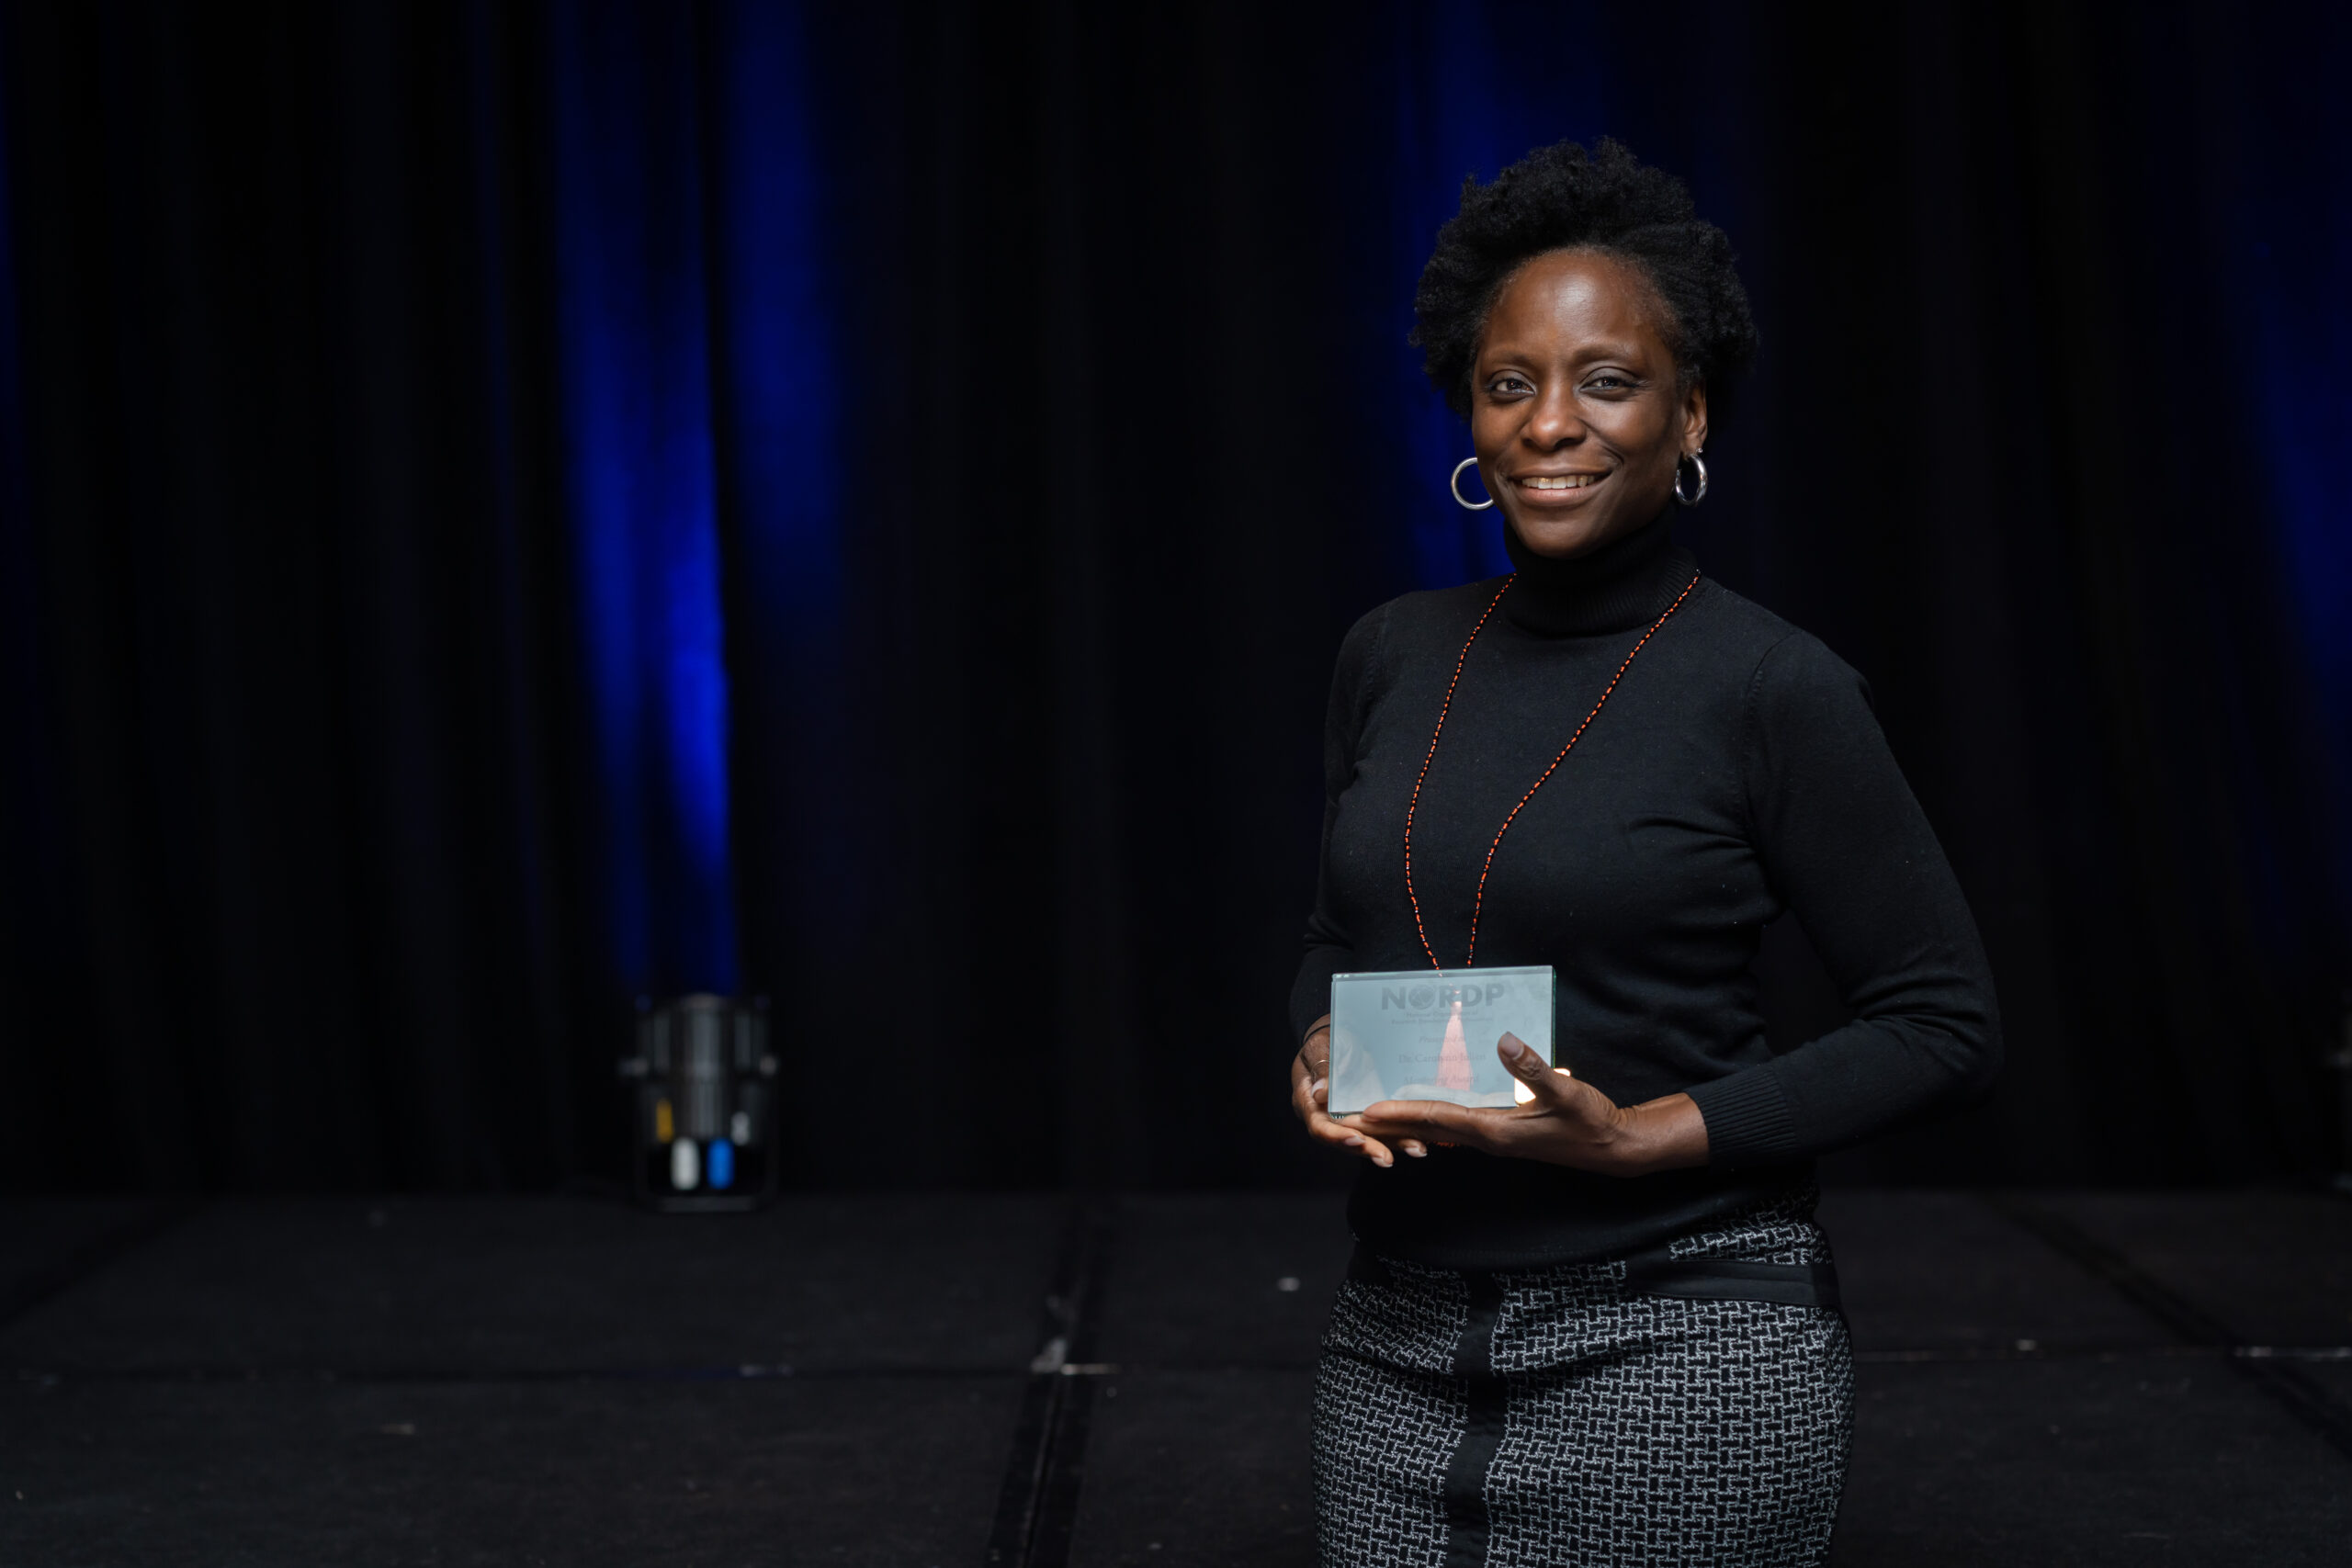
column 1659, row 1273
column 1731, row 1280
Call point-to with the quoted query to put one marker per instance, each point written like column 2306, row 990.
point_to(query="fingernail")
column 1383, row 1161
column 1356, row 1143
column 1416, row 1151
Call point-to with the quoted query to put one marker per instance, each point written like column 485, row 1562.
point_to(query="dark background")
column 508, row 508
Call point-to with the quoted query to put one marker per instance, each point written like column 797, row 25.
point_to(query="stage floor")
column 2050, row 1378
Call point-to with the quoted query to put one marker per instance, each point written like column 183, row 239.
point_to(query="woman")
column 1601, row 1328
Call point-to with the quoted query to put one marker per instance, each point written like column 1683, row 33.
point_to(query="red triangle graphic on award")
column 1453, row 1056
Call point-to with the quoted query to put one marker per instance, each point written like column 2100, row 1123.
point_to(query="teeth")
column 1561, row 481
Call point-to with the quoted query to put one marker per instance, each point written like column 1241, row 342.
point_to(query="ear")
column 1694, row 418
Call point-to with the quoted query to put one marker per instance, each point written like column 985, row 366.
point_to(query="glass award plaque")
column 1421, row 1034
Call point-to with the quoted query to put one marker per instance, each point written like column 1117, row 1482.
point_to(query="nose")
column 1553, row 420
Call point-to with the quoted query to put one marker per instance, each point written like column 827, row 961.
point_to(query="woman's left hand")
column 1568, row 1122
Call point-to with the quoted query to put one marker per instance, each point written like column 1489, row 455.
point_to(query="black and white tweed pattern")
column 1633, row 1429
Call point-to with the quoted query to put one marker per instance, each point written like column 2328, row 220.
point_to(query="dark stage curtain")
column 509, row 508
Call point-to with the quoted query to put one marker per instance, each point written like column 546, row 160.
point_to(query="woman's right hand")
column 1310, row 1100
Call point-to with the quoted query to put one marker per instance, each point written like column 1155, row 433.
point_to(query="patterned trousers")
column 1550, row 1417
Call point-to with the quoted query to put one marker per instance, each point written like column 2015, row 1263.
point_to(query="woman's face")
column 1574, row 411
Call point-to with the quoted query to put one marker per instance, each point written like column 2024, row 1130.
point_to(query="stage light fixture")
column 705, row 1113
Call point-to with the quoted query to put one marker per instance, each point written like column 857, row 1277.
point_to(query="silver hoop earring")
column 1454, row 484
column 1701, row 464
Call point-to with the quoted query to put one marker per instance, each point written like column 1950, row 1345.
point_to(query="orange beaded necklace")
column 1443, row 708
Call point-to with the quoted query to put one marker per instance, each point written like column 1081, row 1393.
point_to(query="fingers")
column 1352, row 1139
column 1424, row 1121
column 1315, row 1051
column 1310, row 1086
column 1552, row 1094
column 1525, row 1062
column 1541, row 1084
column 1310, row 1098
column 1403, row 1142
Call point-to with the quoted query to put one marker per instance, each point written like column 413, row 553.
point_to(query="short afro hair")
column 1558, row 199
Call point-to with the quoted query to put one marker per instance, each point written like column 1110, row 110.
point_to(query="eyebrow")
column 1620, row 350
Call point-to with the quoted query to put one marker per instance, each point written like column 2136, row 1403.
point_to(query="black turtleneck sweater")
column 1736, row 773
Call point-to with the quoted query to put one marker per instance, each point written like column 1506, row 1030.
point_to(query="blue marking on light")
column 719, row 1167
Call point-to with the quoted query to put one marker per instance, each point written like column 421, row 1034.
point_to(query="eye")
column 1507, row 385
column 1609, row 381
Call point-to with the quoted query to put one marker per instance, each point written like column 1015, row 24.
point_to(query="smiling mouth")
column 1558, row 483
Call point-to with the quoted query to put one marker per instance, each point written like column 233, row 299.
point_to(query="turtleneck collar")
column 1625, row 583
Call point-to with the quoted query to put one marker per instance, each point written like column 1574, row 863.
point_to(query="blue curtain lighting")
column 641, row 484
column 782, row 457
column 2271, row 259
column 776, row 354
column 2287, row 265
column 1459, row 110
column 700, row 444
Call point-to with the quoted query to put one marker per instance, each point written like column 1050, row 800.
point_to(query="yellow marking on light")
column 665, row 1126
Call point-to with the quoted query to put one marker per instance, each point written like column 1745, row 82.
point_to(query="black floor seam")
column 952, row 1371
column 2274, row 1375
column 93, row 1256
column 1038, row 1509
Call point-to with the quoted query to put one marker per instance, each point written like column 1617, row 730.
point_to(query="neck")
column 1624, row 583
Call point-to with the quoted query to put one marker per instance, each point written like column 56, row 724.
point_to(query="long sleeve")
column 1845, row 845
column 1328, row 950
